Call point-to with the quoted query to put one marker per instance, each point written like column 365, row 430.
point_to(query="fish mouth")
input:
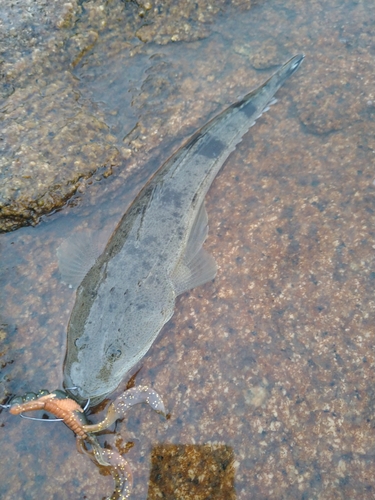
column 82, row 397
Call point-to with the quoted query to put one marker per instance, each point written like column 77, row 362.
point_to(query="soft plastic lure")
column 70, row 412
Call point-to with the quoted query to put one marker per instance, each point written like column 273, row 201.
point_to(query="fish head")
column 117, row 332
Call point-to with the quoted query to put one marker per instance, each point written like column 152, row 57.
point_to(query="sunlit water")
column 271, row 365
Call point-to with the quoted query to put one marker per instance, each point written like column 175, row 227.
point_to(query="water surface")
column 270, row 368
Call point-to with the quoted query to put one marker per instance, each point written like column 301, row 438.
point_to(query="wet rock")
column 49, row 141
column 192, row 471
column 180, row 21
column 49, row 144
column 332, row 102
column 81, row 44
column 262, row 55
column 52, row 136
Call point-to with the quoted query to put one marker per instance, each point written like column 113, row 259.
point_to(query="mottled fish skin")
column 154, row 254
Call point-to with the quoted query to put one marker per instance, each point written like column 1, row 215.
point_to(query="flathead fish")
column 155, row 254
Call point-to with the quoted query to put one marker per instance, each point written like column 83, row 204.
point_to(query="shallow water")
column 269, row 368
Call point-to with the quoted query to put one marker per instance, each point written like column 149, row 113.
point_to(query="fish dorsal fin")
column 196, row 266
column 76, row 255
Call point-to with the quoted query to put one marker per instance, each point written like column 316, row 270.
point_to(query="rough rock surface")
column 52, row 135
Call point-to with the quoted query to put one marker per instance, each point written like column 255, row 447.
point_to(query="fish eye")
column 113, row 353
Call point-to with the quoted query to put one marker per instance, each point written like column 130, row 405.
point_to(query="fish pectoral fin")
column 76, row 255
column 197, row 235
column 187, row 275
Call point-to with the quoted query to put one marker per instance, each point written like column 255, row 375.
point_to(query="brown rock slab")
column 52, row 136
column 192, row 472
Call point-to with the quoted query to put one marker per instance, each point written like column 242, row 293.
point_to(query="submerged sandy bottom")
column 267, row 373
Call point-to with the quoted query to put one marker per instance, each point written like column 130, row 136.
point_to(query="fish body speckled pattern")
column 154, row 254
